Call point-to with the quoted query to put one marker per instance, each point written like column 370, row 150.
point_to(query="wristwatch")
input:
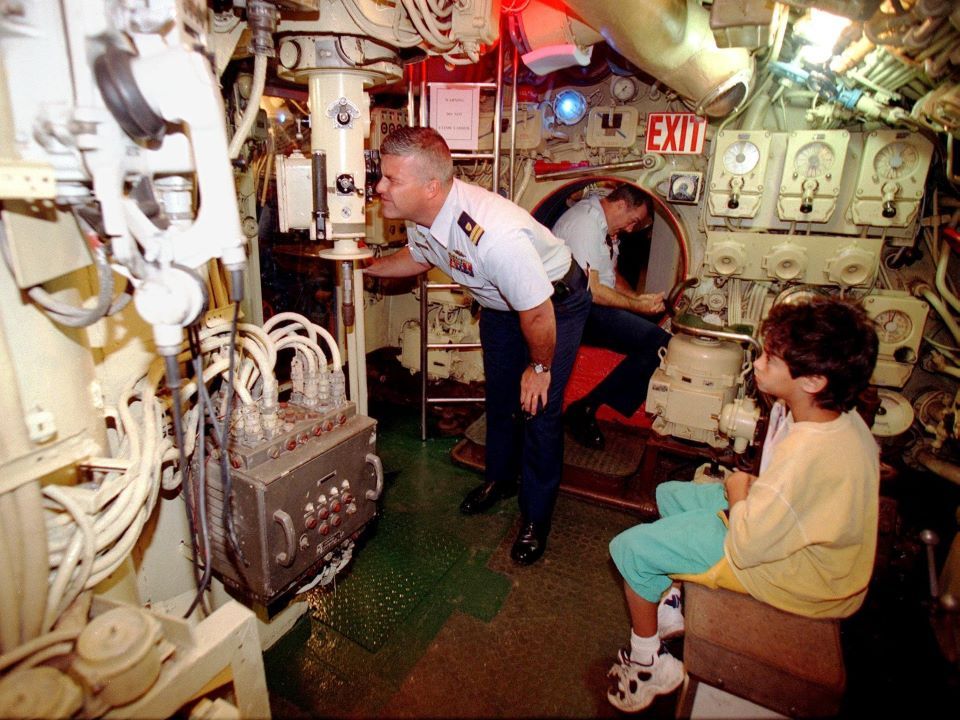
column 540, row 368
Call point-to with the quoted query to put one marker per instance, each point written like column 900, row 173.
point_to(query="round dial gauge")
column 813, row 159
column 894, row 416
column 624, row 88
column 893, row 326
column 741, row 157
column 896, row 160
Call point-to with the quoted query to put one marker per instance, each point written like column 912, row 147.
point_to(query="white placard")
column 455, row 114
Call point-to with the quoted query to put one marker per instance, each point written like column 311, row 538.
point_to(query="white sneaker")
column 670, row 615
column 633, row 685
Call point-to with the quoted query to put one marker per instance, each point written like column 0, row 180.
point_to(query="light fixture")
column 570, row 106
column 820, row 31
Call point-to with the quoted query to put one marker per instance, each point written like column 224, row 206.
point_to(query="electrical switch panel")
column 892, row 176
column 295, row 499
column 739, row 165
column 612, row 127
column 812, row 175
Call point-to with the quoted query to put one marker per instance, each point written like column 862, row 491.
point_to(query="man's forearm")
column 637, row 303
column 399, row 264
column 539, row 328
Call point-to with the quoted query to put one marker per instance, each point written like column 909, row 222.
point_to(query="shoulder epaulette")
column 470, row 227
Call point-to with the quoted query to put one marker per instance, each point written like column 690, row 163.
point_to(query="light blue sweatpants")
column 688, row 538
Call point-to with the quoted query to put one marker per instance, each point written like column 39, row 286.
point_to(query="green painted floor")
column 433, row 620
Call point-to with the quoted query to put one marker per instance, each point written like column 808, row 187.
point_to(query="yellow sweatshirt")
column 804, row 538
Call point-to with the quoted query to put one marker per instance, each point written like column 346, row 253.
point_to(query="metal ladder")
column 425, row 286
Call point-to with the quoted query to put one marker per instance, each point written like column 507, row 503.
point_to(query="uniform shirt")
column 494, row 249
column 804, row 538
column 584, row 229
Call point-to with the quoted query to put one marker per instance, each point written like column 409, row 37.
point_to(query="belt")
column 573, row 281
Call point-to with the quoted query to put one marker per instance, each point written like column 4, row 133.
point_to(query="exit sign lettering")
column 675, row 133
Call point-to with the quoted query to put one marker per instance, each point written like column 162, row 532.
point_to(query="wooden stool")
column 785, row 662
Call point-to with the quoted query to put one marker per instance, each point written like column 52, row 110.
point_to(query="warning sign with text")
column 455, row 113
column 673, row 133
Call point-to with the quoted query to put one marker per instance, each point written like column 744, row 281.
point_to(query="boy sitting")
column 801, row 536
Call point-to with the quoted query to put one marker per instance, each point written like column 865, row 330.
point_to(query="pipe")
column 672, row 41
column 29, row 503
column 253, row 107
column 947, row 470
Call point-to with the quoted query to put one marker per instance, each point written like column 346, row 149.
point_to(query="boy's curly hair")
column 825, row 336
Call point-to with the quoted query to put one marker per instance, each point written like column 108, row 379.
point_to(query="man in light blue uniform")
column 591, row 228
column 535, row 302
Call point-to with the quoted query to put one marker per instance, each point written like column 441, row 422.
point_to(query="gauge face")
column 623, row 88
column 741, row 157
column 813, row 160
column 894, row 416
column 893, row 326
column 896, row 160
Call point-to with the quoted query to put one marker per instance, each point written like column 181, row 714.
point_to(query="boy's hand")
column 737, row 485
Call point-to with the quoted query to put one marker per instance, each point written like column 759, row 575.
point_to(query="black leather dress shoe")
column 485, row 496
column 530, row 543
column 581, row 421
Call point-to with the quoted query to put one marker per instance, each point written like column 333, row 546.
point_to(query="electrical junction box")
column 296, row 498
column 384, row 121
column 612, row 127
column 529, row 129
column 294, row 191
column 739, row 166
column 900, row 319
column 892, row 177
column 813, row 259
column 812, row 175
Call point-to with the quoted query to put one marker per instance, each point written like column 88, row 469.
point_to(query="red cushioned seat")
column 592, row 365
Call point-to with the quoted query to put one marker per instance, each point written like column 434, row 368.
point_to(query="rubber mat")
column 384, row 586
column 621, row 456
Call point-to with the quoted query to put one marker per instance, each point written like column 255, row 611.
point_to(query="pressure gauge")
column 813, row 160
column 896, row 160
column 893, row 326
column 624, row 88
column 741, row 157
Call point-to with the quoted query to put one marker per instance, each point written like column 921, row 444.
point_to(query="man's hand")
column 533, row 390
column 399, row 264
column 649, row 304
column 539, row 328
column 737, row 485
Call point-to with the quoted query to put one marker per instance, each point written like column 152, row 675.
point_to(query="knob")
column 889, row 209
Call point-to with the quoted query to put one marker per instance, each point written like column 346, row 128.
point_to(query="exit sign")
column 675, row 133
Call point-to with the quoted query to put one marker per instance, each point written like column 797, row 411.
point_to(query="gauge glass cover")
column 741, row 157
column 813, row 160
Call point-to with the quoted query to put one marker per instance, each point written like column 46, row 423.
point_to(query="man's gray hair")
column 425, row 143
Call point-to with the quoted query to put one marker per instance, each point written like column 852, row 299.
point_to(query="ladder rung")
column 443, row 286
column 472, row 156
column 453, row 400
column 453, row 346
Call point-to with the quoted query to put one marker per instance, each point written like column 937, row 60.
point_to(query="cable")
column 201, row 464
column 225, row 439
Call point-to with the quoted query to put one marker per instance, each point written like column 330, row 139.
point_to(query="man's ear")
column 433, row 188
column 812, row 384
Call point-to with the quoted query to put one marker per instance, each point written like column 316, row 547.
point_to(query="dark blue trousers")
column 627, row 333
column 528, row 449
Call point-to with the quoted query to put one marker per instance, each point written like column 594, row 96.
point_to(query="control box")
column 296, row 498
